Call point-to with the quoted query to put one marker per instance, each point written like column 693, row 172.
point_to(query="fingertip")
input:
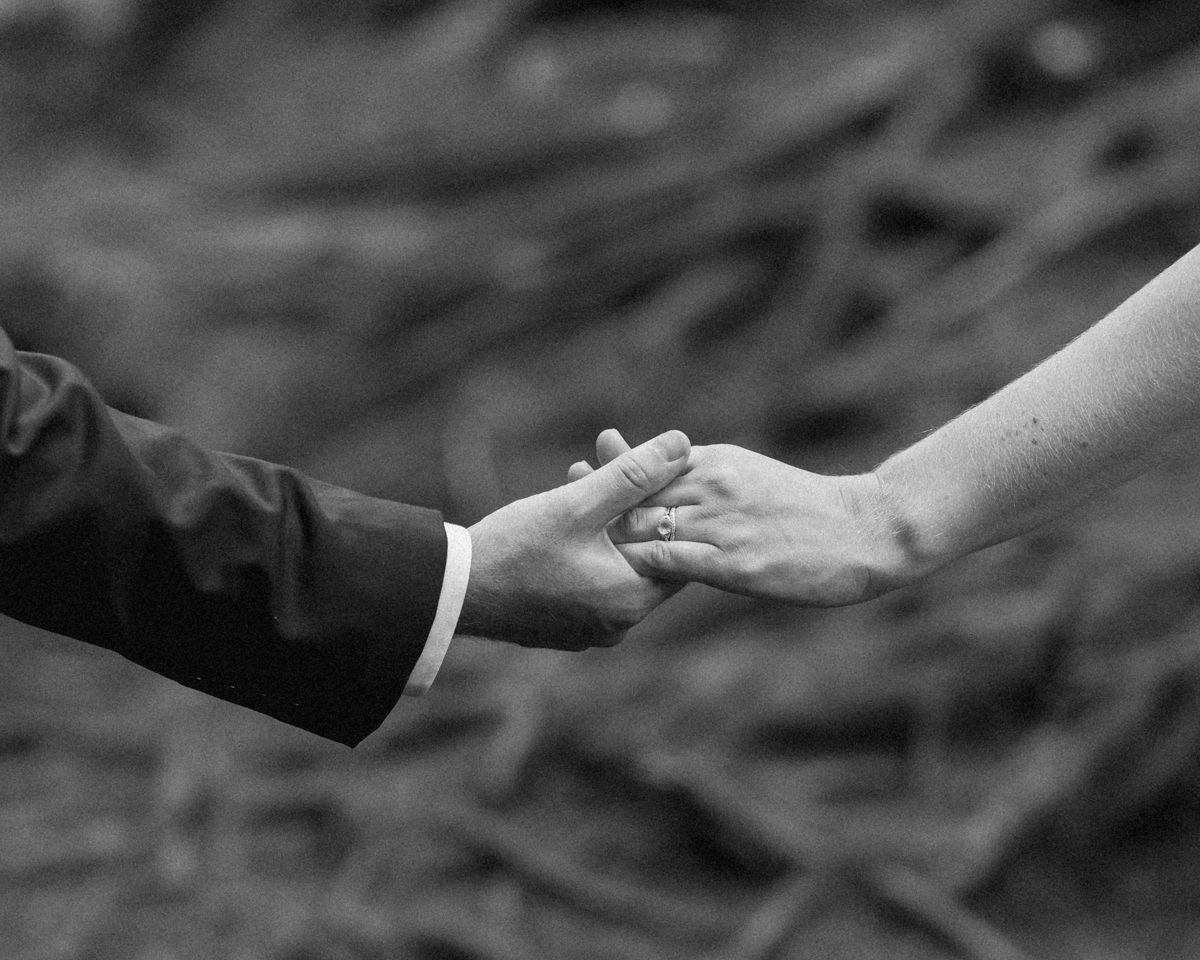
column 673, row 445
column 610, row 445
column 578, row 470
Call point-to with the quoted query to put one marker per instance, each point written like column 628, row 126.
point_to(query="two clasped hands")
column 593, row 557
column 578, row 565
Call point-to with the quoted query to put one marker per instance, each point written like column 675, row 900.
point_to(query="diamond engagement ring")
column 666, row 526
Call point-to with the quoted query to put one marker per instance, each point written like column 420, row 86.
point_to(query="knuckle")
column 744, row 568
column 659, row 555
column 635, row 473
column 625, row 526
column 719, row 480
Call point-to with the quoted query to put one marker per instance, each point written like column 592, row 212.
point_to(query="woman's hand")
column 752, row 525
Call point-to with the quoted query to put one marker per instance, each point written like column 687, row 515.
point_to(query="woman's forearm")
column 1086, row 419
column 1091, row 416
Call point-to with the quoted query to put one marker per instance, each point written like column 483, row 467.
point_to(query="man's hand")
column 544, row 572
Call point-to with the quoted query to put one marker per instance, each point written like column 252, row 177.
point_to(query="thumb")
column 632, row 477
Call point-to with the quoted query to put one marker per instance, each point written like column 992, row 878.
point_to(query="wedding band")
column 666, row 526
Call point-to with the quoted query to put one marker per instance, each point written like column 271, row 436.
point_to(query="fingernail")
column 672, row 445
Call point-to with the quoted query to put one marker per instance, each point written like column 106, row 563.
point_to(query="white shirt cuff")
column 454, row 591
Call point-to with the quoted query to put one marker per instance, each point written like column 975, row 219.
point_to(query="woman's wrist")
column 900, row 548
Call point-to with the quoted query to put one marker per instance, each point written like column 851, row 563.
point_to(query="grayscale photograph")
column 599, row 479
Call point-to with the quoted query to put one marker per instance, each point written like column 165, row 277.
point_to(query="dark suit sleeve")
column 239, row 578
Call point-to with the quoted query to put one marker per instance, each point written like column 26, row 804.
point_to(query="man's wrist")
column 512, row 596
column 478, row 618
column 486, row 609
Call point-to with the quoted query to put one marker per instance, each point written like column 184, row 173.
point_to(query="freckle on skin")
column 1034, row 442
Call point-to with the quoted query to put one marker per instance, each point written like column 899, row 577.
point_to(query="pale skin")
column 1090, row 417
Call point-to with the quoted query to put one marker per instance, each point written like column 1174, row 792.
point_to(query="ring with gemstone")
column 666, row 526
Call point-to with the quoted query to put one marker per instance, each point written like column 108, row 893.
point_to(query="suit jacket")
column 239, row 578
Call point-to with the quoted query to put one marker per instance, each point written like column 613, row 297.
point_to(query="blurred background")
column 428, row 249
